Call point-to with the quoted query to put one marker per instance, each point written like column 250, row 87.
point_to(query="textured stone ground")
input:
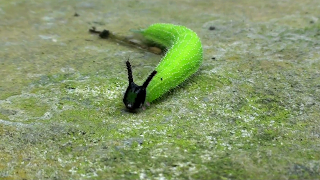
column 251, row 112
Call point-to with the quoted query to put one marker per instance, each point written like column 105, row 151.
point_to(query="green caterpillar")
column 183, row 58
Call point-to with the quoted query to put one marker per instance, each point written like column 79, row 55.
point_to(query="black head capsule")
column 135, row 95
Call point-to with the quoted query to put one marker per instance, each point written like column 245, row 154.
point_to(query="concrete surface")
column 251, row 112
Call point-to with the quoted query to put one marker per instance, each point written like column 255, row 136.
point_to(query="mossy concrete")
column 251, row 112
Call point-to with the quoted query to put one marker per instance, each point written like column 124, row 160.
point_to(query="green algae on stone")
column 250, row 113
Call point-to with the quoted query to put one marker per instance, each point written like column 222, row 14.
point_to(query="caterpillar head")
column 135, row 95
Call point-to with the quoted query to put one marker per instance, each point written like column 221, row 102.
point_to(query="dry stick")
column 106, row 34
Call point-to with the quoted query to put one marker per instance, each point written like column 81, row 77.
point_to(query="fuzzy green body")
column 183, row 58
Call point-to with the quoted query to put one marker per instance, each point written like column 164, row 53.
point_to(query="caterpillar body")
column 183, row 58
